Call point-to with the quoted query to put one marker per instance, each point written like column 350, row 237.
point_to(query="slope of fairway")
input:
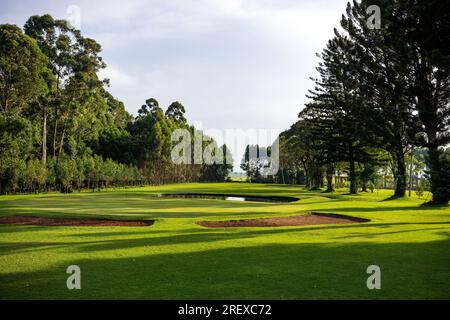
column 178, row 259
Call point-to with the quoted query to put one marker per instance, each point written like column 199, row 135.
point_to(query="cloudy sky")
column 234, row 64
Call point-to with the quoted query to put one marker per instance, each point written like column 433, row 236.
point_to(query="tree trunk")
column 439, row 168
column 55, row 130
column 316, row 178
column 352, row 172
column 427, row 106
column 411, row 173
column 364, row 186
column 61, row 143
column 329, row 176
column 44, row 136
column 400, row 174
column 307, row 175
column 329, row 183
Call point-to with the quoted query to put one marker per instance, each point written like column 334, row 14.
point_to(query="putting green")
column 178, row 259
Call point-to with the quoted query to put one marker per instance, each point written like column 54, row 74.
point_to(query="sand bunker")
column 84, row 222
column 303, row 220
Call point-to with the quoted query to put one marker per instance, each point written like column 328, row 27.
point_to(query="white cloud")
column 117, row 77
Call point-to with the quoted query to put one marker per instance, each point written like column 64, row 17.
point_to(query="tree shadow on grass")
column 431, row 205
column 380, row 209
column 275, row 271
column 199, row 235
column 157, row 213
column 329, row 200
column 208, row 235
column 394, row 197
column 375, row 235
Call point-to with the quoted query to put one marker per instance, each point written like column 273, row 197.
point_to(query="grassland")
column 178, row 259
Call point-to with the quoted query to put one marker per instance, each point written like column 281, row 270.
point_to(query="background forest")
column 60, row 129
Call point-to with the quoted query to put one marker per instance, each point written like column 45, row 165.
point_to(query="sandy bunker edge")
column 82, row 222
column 313, row 218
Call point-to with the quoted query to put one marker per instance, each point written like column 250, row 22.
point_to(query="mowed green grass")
column 178, row 259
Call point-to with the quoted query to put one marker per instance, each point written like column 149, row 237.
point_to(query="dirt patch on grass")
column 303, row 220
column 83, row 222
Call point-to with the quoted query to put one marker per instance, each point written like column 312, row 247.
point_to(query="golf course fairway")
column 175, row 258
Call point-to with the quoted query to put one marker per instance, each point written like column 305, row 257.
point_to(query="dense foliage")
column 378, row 98
column 60, row 129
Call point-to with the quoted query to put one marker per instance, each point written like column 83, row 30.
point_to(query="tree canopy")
column 378, row 97
column 52, row 102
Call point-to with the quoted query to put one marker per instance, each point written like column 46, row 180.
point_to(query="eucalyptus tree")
column 75, row 62
column 219, row 170
column 176, row 113
column 152, row 140
column 24, row 81
column 116, row 114
column 24, row 76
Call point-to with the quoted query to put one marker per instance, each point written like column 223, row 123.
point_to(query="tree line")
column 60, row 128
column 380, row 103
